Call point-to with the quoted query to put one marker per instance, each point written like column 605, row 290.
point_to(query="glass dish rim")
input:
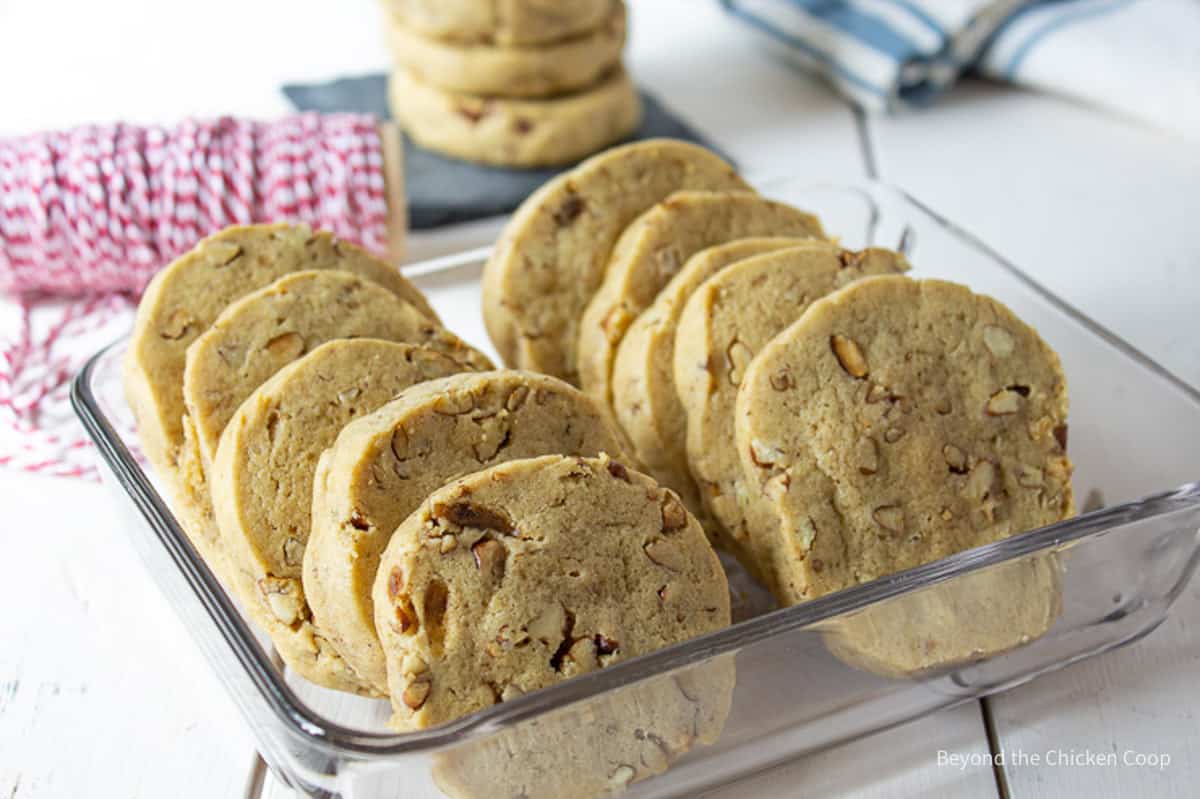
column 300, row 720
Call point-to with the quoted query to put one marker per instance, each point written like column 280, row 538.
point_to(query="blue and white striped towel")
column 1140, row 58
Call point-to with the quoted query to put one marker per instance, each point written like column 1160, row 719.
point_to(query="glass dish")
column 797, row 685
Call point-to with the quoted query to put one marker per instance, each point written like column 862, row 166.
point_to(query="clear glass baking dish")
column 779, row 683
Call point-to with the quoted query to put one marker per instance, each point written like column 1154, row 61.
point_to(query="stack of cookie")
column 399, row 517
column 828, row 419
column 521, row 83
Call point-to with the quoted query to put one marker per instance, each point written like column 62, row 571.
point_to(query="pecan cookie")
column 184, row 299
column 507, row 23
column 725, row 322
column 262, row 477
column 972, row 617
column 485, row 69
column 269, row 328
column 898, row 422
column 551, row 257
column 381, row 467
column 527, row 132
column 530, row 572
column 644, row 396
column 596, row 747
column 654, row 248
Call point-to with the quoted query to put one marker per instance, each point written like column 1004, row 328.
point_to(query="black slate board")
column 441, row 190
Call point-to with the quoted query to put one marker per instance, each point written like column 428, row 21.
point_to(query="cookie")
column 521, row 71
column 381, row 467
column 551, row 257
column 898, row 422
column 506, row 23
column 261, row 481
column 726, row 321
column 644, row 397
column 516, row 132
column 654, row 248
column 596, row 747
column 184, row 299
column 267, row 329
column 528, row 573
column 972, row 617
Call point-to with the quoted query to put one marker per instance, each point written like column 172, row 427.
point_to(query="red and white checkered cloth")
column 87, row 216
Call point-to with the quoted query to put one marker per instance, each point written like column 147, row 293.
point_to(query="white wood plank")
column 102, row 692
column 1103, row 213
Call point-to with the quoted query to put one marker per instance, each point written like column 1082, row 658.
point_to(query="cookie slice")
column 597, row 747
column 551, row 257
column 530, row 572
column 529, row 132
column 898, row 422
column 184, row 299
column 724, row 323
column 262, row 477
column 507, row 23
column 381, row 467
column 654, row 248
column 974, row 616
column 269, row 328
column 488, row 70
column 644, row 396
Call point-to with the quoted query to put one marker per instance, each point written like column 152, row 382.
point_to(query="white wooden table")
column 101, row 691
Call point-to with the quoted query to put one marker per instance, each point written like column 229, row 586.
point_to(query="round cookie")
column 506, row 23
column 644, row 398
column 898, row 422
column 654, row 248
column 262, row 477
column 516, row 132
column 971, row 617
column 531, row 572
column 551, row 257
column 382, row 466
column 184, row 299
column 269, row 328
column 598, row 746
column 725, row 322
column 488, row 70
